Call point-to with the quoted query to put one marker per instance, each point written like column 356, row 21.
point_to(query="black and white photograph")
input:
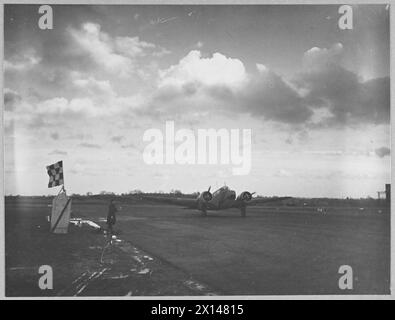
column 196, row 150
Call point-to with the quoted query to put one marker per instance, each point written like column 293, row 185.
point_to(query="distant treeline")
column 138, row 196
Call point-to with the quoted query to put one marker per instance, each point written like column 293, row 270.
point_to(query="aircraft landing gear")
column 204, row 211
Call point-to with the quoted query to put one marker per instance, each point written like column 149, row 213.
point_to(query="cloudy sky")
column 315, row 97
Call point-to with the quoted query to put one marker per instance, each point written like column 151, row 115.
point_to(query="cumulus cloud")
column 324, row 94
column 199, row 44
column 22, row 61
column 98, row 45
column 382, row 152
column 193, row 68
column 100, row 89
column 199, row 84
column 345, row 96
column 318, row 58
column 261, row 67
column 269, row 96
column 133, row 47
column 49, row 113
column 93, row 98
column 116, row 55
column 62, row 106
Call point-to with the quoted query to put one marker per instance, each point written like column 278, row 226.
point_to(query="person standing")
column 111, row 218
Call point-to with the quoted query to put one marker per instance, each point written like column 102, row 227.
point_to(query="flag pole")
column 63, row 178
column 61, row 189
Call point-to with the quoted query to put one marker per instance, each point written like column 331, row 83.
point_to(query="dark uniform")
column 111, row 216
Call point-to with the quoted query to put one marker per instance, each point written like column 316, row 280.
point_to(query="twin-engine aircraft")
column 223, row 198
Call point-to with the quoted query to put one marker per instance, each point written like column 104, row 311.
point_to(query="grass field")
column 273, row 251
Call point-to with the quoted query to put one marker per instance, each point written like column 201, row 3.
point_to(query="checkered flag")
column 55, row 172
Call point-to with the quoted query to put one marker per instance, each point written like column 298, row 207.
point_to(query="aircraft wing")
column 184, row 202
column 266, row 200
column 255, row 201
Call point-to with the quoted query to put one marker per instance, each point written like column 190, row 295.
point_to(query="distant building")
column 386, row 194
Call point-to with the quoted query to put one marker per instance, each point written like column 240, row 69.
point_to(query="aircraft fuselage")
column 223, row 198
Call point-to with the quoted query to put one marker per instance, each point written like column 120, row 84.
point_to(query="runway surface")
column 267, row 252
column 272, row 251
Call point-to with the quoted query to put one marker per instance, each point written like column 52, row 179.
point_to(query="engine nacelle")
column 205, row 196
column 245, row 196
